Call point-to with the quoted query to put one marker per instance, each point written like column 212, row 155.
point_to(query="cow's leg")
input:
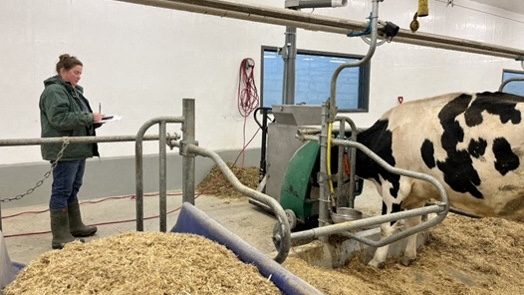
column 410, row 253
column 379, row 259
column 390, row 204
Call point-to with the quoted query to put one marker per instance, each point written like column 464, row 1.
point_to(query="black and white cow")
column 472, row 143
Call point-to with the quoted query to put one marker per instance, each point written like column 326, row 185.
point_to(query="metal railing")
column 312, row 22
column 441, row 208
column 188, row 149
column 162, row 167
column 76, row 139
column 284, row 229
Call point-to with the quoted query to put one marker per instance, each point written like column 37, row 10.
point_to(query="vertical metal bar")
column 290, row 55
column 352, row 166
column 263, row 162
column 0, row 216
column 139, row 179
column 188, row 163
column 323, row 207
column 352, row 161
column 162, row 176
column 342, row 201
column 139, row 164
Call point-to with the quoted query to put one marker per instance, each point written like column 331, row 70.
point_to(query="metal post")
column 162, row 191
column 188, row 163
column 352, row 160
column 139, row 184
column 289, row 55
column 341, row 201
column 324, row 200
column 263, row 126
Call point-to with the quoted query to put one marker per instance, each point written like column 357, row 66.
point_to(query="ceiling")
column 510, row 5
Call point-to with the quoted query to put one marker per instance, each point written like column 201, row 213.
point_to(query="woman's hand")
column 97, row 117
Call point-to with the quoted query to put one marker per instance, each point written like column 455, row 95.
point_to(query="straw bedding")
column 141, row 263
column 464, row 256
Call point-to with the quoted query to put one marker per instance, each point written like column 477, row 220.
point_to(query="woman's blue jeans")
column 67, row 180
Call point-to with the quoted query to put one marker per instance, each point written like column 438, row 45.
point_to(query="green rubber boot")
column 76, row 226
column 60, row 228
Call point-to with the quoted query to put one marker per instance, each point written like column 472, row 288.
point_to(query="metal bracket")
column 184, row 146
column 172, row 139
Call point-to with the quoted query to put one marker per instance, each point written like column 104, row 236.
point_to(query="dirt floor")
column 463, row 256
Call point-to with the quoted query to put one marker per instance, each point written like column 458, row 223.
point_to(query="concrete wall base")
column 110, row 176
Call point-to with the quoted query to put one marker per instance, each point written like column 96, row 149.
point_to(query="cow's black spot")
column 427, row 151
column 458, row 169
column 459, row 173
column 498, row 103
column 378, row 139
column 477, row 148
column 506, row 160
column 453, row 133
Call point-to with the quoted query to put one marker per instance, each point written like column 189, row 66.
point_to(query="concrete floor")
column 112, row 217
column 115, row 215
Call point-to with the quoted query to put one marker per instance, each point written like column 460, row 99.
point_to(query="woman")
column 64, row 111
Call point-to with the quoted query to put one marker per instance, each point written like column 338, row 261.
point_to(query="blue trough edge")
column 193, row 220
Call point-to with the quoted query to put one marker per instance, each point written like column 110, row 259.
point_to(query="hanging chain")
column 59, row 156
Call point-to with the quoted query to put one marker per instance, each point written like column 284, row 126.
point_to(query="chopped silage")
column 215, row 183
column 141, row 263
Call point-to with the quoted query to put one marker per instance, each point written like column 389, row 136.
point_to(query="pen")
column 100, row 107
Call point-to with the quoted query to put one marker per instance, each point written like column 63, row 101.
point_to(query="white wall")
column 139, row 62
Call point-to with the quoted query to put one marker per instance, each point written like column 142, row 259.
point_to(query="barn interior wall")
column 139, row 62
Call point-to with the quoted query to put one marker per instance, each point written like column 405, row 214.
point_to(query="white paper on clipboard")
column 110, row 118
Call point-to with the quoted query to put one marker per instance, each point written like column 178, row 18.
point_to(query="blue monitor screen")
column 516, row 87
column 312, row 80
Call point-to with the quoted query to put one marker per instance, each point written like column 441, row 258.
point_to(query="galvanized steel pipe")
column 324, row 198
column 308, row 21
column 373, row 23
column 162, row 170
column 188, row 162
column 375, row 220
column 278, row 211
column 73, row 139
column 441, row 209
column 352, row 157
column 139, row 174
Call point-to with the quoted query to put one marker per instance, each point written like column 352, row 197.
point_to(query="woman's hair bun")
column 64, row 56
column 67, row 62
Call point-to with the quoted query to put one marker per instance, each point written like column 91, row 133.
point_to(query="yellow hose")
column 328, row 159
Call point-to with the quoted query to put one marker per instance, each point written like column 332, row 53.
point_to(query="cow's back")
column 472, row 143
